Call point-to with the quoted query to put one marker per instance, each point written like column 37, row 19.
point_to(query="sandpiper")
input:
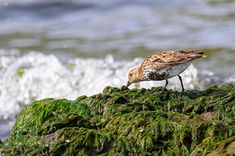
column 163, row 65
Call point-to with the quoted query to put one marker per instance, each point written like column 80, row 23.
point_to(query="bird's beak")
column 128, row 84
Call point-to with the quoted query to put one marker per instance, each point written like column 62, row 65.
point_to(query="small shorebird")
column 163, row 65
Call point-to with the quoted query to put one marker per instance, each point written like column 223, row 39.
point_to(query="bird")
column 163, row 65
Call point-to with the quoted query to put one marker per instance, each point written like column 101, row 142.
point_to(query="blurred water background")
column 66, row 48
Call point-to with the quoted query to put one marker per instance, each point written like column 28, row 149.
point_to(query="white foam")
column 231, row 79
column 6, row 126
column 35, row 76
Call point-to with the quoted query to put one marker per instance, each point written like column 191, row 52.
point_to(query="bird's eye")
column 131, row 74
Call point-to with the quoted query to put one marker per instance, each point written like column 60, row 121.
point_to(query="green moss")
column 128, row 122
column 21, row 72
column 1, row 143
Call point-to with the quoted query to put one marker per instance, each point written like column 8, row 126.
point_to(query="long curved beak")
column 128, row 84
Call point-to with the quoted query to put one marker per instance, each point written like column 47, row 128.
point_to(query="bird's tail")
column 201, row 53
column 194, row 53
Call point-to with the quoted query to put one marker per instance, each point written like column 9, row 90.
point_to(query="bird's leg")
column 181, row 82
column 165, row 86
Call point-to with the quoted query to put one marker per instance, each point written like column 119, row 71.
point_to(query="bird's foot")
column 161, row 92
column 163, row 89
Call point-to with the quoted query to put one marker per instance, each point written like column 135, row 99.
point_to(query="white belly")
column 165, row 73
column 174, row 70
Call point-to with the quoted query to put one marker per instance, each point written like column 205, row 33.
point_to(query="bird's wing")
column 167, row 58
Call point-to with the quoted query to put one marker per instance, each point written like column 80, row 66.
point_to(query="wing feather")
column 164, row 59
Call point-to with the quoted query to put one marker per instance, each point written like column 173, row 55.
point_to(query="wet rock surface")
column 128, row 122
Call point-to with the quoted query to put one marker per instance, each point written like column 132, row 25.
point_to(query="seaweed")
column 128, row 122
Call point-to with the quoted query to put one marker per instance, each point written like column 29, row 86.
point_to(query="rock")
column 128, row 122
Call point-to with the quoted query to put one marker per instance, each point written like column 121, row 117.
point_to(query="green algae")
column 21, row 72
column 128, row 122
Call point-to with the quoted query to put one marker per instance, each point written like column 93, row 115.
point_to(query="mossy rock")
column 128, row 122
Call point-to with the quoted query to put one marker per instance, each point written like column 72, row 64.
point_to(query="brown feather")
column 163, row 59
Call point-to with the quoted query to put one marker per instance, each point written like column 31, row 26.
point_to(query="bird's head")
column 134, row 76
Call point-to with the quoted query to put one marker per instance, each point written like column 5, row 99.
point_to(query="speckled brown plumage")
column 168, row 58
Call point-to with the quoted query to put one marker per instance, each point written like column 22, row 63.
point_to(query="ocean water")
column 64, row 49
